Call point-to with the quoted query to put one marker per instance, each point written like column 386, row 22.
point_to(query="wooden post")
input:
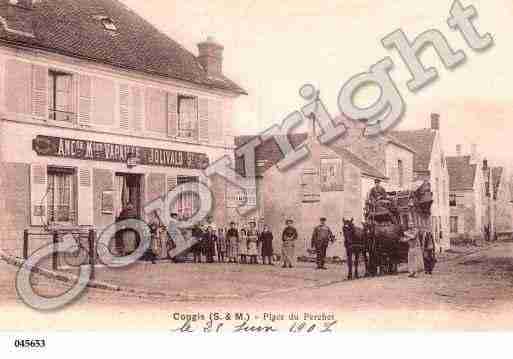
column 92, row 252
column 25, row 244
column 55, row 255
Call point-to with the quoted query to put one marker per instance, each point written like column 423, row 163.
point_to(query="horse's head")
column 348, row 227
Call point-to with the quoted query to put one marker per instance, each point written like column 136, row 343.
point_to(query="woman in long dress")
column 266, row 240
column 415, row 260
column 252, row 237
column 232, row 236
column 221, row 245
column 289, row 237
column 243, row 246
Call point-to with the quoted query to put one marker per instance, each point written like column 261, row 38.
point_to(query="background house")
column 430, row 164
column 467, row 194
column 330, row 183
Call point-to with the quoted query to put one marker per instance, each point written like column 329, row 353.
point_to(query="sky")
column 273, row 48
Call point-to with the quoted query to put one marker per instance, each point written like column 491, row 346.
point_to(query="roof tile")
column 69, row 27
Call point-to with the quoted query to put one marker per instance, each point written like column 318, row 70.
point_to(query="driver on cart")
column 377, row 192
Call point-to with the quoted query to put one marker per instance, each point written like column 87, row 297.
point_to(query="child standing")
column 252, row 238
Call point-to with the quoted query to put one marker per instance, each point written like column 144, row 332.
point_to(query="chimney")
column 211, row 56
column 458, row 150
column 435, row 121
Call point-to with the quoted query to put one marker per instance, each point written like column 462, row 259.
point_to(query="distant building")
column 406, row 156
column 467, row 195
column 499, row 212
column 388, row 154
column 430, row 164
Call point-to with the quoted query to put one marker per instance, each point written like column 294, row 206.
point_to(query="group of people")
column 245, row 245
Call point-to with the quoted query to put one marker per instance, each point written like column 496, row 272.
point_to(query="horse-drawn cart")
column 385, row 220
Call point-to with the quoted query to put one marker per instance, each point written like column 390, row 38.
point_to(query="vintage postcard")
column 255, row 167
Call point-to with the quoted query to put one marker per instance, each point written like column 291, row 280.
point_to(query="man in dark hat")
column 321, row 237
column 377, row 192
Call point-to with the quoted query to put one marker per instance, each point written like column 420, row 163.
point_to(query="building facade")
column 386, row 153
column 502, row 203
column 430, row 164
column 102, row 111
column 467, row 197
column 330, row 182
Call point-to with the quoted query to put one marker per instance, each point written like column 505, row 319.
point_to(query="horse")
column 384, row 247
column 355, row 241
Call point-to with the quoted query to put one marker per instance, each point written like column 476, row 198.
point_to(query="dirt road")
column 472, row 292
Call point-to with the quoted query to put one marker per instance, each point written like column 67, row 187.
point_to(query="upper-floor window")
column 452, row 200
column 400, row 173
column 310, row 191
column 60, row 96
column 187, row 117
column 331, row 175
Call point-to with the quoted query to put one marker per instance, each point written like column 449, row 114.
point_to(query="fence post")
column 92, row 252
column 55, row 257
column 25, row 244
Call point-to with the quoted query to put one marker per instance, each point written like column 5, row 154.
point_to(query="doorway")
column 128, row 189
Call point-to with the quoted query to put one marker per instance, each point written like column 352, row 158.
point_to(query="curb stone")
column 70, row 278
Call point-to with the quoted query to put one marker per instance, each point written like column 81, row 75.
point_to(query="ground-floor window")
column 454, row 224
column 61, row 196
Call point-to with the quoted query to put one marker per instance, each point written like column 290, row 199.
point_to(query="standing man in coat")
column 321, row 237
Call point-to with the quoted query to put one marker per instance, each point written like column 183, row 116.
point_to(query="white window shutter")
column 215, row 122
column 40, row 91
column 18, row 80
column 38, row 194
column 137, row 108
column 124, row 106
column 172, row 114
column 203, row 119
column 85, row 197
column 85, row 89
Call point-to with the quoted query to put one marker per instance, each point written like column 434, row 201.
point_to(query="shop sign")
column 110, row 152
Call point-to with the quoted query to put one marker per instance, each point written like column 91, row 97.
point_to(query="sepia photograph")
column 257, row 167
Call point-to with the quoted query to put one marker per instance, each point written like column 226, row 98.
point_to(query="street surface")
column 472, row 289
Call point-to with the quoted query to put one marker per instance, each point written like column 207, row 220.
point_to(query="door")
column 128, row 190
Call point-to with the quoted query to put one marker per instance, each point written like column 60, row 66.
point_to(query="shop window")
column 454, row 224
column 187, row 117
column 187, row 203
column 60, row 96
column 61, row 196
